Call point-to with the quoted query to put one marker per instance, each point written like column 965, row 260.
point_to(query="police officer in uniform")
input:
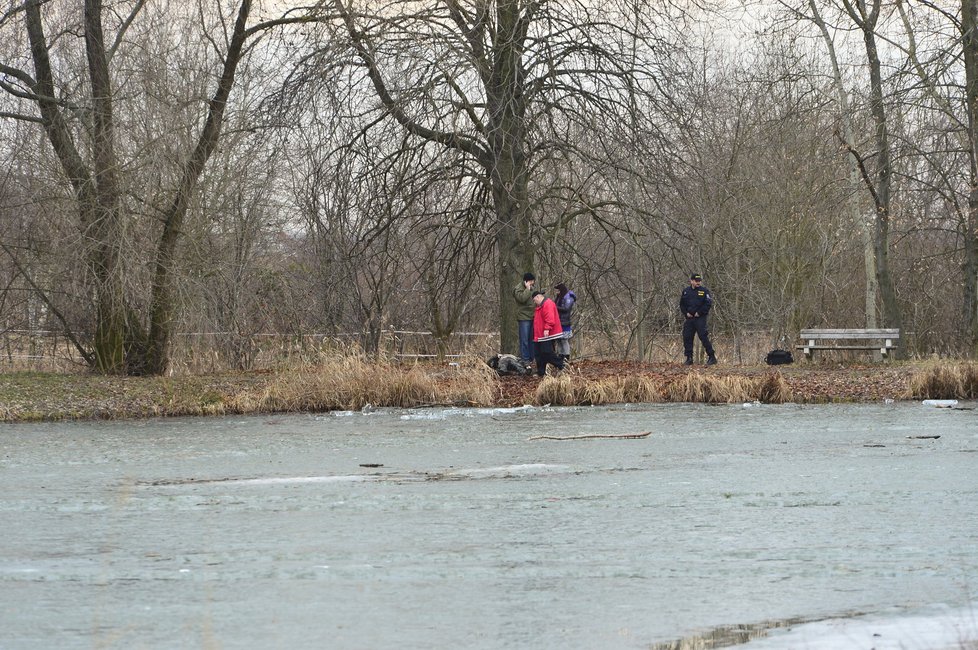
column 695, row 304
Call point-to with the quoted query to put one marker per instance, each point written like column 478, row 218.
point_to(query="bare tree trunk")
column 162, row 310
column 866, row 230
column 969, row 29
column 112, row 335
column 866, row 18
column 502, row 153
column 506, row 165
column 507, row 169
column 97, row 189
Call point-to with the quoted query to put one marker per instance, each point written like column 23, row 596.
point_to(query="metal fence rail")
column 51, row 351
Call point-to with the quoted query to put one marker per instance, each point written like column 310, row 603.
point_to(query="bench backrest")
column 850, row 334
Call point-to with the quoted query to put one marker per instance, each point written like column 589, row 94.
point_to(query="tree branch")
column 87, row 355
column 452, row 140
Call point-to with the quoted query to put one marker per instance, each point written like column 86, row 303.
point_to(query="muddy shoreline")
column 54, row 397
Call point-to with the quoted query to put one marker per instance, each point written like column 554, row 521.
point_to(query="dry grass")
column 471, row 383
column 641, row 389
column 570, row 389
column 771, row 389
column 945, row 381
column 352, row 382
column 557, row 390
column 597, row 392
column 348, row 380
column 694, row 387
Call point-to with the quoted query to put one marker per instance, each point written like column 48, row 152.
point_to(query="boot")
column 712, row 361
column 689, row 361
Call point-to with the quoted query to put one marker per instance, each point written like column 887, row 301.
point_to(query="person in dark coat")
column 564, row 300
column 695, row 304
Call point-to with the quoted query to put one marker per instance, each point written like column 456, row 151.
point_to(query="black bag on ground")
column 778, row 357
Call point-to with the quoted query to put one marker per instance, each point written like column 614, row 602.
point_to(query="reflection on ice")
column 291, row 480
column 510, row 470
column 503, row 471
column 376, row 532
column 937, row 628
column 444, row 414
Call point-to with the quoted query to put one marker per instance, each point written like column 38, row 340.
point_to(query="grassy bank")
column 352, row 382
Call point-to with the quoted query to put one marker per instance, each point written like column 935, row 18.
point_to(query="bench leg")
column 809, row 351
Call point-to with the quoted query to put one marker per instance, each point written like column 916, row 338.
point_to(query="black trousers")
column 545, row 354
column 696, row 326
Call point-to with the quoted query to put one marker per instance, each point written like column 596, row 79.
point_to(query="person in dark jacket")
column 564, row 300
column 695, row 304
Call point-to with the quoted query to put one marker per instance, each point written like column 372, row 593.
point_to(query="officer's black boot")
column 712, row 361
column 689, row 361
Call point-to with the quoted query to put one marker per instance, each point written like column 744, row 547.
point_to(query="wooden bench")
column 882, row 340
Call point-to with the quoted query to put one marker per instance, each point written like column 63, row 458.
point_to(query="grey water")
column 461, row 528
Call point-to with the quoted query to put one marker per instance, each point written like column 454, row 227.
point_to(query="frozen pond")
column 835, row 526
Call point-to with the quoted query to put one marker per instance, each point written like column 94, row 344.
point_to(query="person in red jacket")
column 546, row 330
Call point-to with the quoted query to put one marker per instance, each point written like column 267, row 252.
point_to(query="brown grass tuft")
column 405, row 389
column 771, row 389
column 557, row 390
column 351, row 382
column 694, row 387
column 945, row 381
column 969, row 381
column 471, row 383
column 571, row 389
column 711, row 389
column 640, row 389
column 735, row 390
column 597, row 392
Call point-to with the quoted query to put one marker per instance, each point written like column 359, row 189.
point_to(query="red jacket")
column 545, row 318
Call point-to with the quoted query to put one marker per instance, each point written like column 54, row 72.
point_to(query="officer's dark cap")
column 696, row 276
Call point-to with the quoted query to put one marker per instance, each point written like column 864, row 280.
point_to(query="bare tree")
column 969, row 41
column 123, row 341
column 866, row 15
column 500, row 83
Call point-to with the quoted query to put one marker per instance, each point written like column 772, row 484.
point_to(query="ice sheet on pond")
column 376, row 530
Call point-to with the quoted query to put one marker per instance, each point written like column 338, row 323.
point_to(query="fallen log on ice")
column 619, row 436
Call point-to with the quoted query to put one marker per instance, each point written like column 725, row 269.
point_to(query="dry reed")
column 471, row 383
column 945, row 381
column 641, row 389
column 597, row 392
column 570, row 389
column 692, row 387
column 771, row 389
column 352, row 382
column 556, row 390
column 710, row 389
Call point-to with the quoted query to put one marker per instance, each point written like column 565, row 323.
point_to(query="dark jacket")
column 695, row 301
column 564, row 306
